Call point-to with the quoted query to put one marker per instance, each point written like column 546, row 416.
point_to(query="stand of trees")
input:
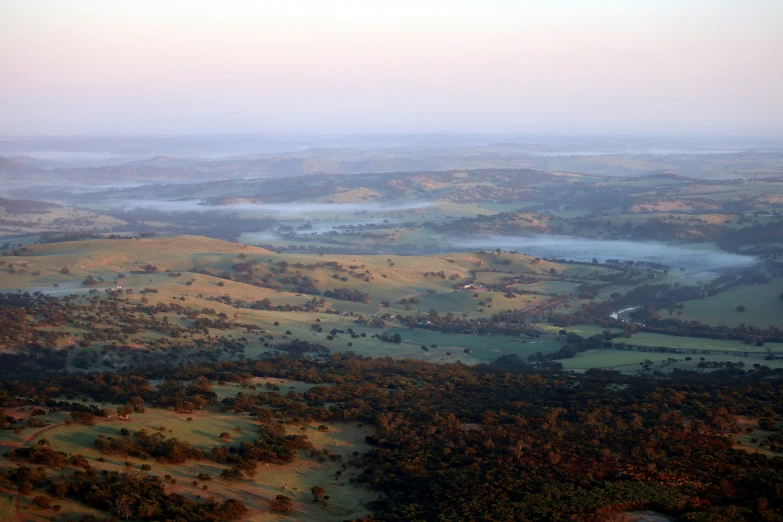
column 504, row 441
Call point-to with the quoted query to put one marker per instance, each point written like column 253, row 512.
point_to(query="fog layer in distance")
column 582, row 249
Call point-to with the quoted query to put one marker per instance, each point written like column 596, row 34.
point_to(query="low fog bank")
column 79, row 189
column 582, row 249
column 172, row 150
column 275, row 209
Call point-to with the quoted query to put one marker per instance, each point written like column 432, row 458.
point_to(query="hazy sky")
column 567, row 66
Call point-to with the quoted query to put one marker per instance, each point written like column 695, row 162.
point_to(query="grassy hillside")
column 191, row 298
column 207, row 278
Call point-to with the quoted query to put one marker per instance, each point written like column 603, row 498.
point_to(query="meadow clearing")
column 202, row 429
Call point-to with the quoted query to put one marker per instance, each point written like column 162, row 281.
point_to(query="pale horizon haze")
column 641, row 67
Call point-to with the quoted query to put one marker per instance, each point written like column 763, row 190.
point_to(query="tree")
column 124, row 411
column 122, row 507
column 83, row 417
column 148, row 509
column 249, row 468
column 137, row 403
column 318, row 492
column 282, row 504
column 65, row 270
column 42, row 502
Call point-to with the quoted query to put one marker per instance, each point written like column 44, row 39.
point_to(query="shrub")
column 282, row 504
column 42, row 502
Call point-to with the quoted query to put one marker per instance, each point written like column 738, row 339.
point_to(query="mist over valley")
column 391, row 261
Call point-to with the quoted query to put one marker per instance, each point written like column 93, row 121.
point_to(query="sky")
column 657, row 67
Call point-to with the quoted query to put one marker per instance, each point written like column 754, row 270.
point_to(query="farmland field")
column 615, row 359
column 763, row 306
column 653, row 340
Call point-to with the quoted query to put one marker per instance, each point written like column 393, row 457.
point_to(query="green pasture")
column 483, row 348
column 654, row 340
column 569, row 307
column 606, row 293
column 629, row 362
column 610, row 358
column 550, row 287
column 462, row 301
column 202, row 432
column 763, row 303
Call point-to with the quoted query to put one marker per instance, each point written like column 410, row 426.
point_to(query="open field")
column 615, row 359
column 55, row 218
column 763, row 303
column 550, row 287
column 631, row 361
column 653, row 340
column 751, row 436
column 284, row 386
column 482, row 348
column 104, row 257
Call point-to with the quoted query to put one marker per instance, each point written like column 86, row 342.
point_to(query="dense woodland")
column 29, row 338
column 493, row 442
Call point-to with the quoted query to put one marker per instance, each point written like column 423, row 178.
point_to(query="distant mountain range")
column 164, row 162
column 324, row 160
